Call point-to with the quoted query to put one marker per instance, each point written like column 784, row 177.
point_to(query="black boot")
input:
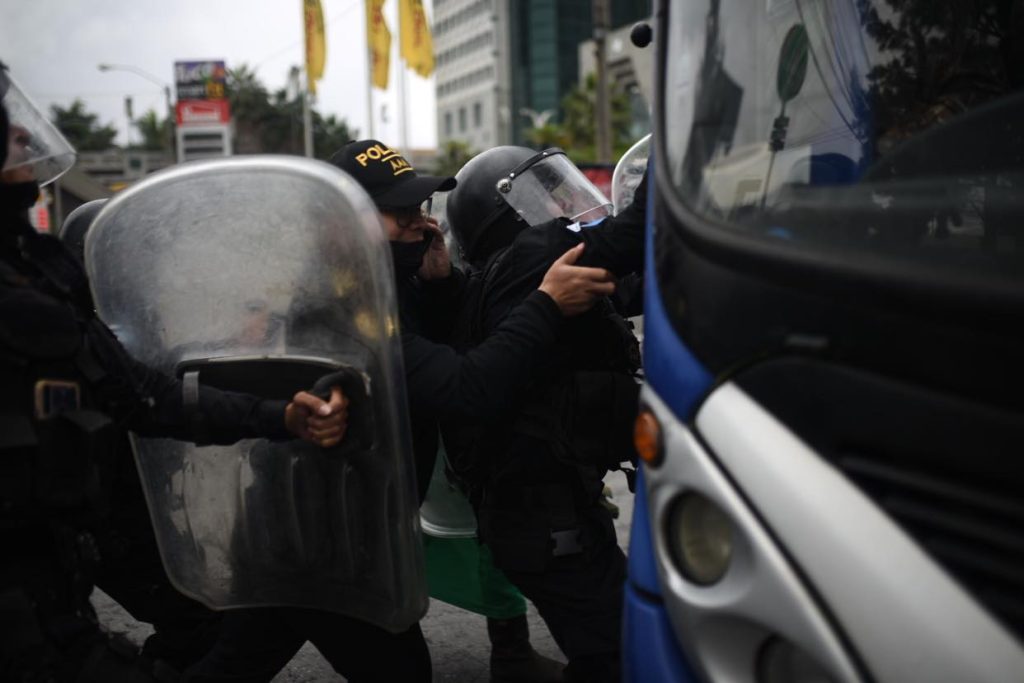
column 513, row 659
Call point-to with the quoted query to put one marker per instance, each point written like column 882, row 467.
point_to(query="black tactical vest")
column 56, row 444
column 585, row 415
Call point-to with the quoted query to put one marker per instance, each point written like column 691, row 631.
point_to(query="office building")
column 471, row 43
column 505, row 65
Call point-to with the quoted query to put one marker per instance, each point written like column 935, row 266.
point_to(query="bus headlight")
column 700, row 538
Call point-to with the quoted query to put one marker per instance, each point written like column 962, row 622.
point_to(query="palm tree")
column 155, row 131
column 454, row 155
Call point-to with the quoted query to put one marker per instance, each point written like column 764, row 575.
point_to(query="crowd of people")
column 518, row 368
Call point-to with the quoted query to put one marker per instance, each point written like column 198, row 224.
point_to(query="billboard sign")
column 202, row 80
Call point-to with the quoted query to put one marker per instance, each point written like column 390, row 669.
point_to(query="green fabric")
column 461, row 572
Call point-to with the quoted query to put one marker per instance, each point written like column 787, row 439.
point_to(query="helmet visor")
column 34, row 146
column 550, row 186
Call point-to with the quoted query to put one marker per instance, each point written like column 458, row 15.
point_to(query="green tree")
column 155, row 131
column 549, row 135
column 938, row 59
column 252, row 111
column 577, row 133
column 330, row 134
column 271, row 123
column 81, row 129
column 454, row 155
column 248, row 97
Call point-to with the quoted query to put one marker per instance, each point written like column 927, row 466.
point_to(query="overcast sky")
column 53, row 47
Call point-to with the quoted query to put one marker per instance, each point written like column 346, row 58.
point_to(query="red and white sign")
column 202, row 112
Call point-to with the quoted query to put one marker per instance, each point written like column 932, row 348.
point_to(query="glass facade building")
column 545, row 37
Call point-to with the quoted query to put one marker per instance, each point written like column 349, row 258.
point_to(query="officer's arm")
column 152, row 404
column 218, row 417
column 488, row 379
column 617, row 243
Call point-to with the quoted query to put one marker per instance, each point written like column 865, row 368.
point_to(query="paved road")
column 457, row 639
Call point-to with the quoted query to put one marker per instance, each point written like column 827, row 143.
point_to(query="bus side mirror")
column 642, row 34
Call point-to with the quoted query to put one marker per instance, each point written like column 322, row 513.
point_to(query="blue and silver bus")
column 832, row 424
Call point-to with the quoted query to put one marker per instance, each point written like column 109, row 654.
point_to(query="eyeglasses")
column 405, row 217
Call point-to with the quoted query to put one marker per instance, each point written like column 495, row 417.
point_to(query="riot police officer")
column 485, row 380
column 482, row 381
column 69, row 391
column 535, row 475
column 255, row 643
column 130, row 569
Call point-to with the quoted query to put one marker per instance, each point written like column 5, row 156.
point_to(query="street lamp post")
column 167, row 96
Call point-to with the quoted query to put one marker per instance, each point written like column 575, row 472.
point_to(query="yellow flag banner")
column 378, row 41
column 316, row 42
column 417, row 46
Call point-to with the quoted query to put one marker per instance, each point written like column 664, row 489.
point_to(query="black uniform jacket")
column 481, row 384
column 616, row 244
column 47, row 324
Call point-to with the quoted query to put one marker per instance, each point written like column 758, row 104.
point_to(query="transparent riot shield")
column 263, row 274
column 629, row 172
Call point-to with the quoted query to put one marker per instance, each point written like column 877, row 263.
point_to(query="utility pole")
column 604, row 115
column 293, row 91
column 130, row 115
column 172, row 145
column 307, row 119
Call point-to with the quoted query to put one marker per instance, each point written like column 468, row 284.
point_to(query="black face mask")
column 16, row 198
column 408, row 256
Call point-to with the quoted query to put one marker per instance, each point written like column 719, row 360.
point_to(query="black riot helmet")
column 506, row 189
column 475, row 207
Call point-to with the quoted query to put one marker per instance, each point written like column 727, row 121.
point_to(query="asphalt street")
column 458, row 639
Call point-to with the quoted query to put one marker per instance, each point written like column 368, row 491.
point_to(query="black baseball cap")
column 389, row 179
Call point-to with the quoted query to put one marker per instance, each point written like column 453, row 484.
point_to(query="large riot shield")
column 262, row 275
